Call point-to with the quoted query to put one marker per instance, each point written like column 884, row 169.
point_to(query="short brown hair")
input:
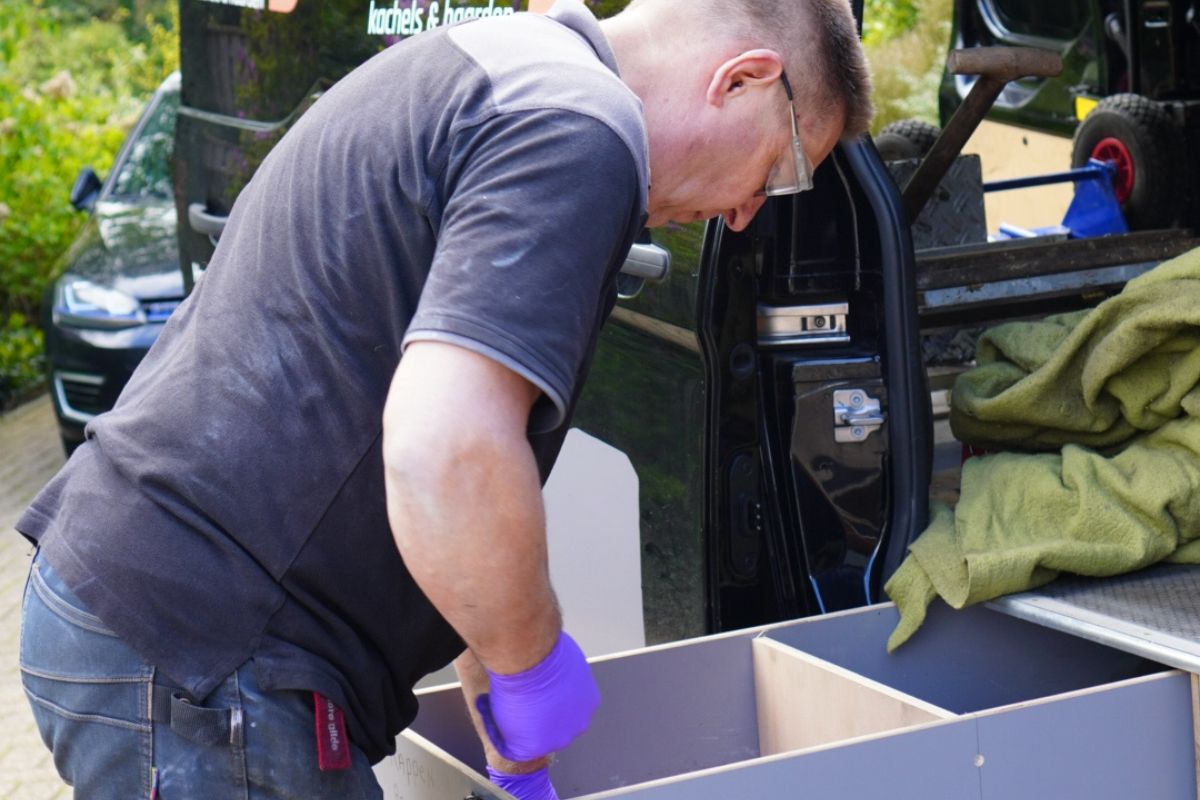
column 838, row 78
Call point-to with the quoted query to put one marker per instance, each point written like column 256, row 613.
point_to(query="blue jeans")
column 119, row 731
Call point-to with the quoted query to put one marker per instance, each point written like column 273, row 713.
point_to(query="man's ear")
column 751, row 68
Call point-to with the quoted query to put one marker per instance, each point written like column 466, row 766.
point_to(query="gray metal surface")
column 1154, row 613
column 955, row 213
column 1045, row 286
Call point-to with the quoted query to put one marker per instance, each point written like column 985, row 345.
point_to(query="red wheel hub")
column 1114, row 151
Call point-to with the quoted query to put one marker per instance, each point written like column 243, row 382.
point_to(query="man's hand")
column 543, row 709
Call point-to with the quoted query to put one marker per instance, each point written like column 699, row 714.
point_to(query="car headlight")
column 82, row 304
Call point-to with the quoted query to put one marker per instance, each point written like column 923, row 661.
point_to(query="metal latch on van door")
column 798, row 325
column 856, row 415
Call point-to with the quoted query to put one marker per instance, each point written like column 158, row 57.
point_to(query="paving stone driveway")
column 30, row 454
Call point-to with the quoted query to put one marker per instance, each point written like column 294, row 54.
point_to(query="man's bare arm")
column 464, row 501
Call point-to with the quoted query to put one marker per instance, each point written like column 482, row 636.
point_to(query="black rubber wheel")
column 1139, row 136
column 908, row 138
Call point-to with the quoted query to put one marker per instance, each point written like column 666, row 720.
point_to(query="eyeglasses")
column 792, row 172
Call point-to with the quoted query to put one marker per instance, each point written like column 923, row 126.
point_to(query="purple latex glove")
column 534, row 786
column 539, row 711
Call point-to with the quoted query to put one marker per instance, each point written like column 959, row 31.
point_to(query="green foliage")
column 906, row 42
column 21, row 361
column 71, row 85
column 73, row 77
column 887, row 19
column 607, row 8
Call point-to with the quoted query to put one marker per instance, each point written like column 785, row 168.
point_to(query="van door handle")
column 648, row 262
column 204, row 222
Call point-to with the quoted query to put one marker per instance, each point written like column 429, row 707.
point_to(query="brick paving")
column 30, row 453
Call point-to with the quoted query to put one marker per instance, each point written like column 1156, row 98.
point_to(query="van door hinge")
column 856, row 415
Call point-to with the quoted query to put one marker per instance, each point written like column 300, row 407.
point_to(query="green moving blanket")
column 1111, row 397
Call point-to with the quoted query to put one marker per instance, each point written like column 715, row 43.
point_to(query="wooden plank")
column 1114, row 742
column 803, row 701
column 420, row 770
column 1029, row 257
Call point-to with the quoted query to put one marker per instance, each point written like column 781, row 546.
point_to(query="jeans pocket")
column 89, row 691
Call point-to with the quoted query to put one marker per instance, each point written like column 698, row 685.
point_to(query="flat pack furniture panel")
column 962, row 661
column 977, row 705
column 805, row 702
column 1125, row 741
column 420, row 770
column 665, row 711
column 928, row 763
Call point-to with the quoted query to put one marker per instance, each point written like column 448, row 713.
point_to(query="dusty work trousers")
column 119, row 732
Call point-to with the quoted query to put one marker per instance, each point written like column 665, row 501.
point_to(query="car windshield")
column 145, row 172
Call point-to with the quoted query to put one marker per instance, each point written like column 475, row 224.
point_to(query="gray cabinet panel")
column 934, row 762
column 1110, row 744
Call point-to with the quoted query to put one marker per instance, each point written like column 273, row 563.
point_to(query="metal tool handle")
column 648, row 262
column 204, row 222
column 1004, row 63
column 995, row 66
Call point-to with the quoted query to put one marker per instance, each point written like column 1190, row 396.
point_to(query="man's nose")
column 738, row 218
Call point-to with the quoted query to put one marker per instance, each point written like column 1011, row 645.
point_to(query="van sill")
column 1154, row 613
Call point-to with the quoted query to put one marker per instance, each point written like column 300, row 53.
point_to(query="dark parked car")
column 120, row 278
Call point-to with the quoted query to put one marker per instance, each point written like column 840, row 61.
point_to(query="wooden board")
column 420, row 770
column 803, row 701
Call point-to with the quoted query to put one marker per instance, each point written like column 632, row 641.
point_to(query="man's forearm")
column 465, row 504
column 471, row 530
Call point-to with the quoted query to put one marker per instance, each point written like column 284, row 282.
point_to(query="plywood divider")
column 804, row 701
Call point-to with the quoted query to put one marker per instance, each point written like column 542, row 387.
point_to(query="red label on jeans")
column 333, row 747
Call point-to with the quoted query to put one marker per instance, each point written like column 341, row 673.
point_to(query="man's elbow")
column 415, row 477
column 431, row 480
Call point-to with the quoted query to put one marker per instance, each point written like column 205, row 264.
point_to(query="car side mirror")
column 86, row 189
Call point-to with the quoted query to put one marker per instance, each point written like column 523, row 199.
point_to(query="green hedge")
column 21, row 361
column 906, row 42
column 73, row 78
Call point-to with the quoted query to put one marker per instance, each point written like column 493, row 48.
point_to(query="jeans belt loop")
column 208, row 726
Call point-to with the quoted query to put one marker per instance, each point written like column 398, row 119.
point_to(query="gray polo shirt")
column 478, row 184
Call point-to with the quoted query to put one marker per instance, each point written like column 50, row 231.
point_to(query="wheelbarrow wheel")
column 908, row 138
column 1147, row 147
